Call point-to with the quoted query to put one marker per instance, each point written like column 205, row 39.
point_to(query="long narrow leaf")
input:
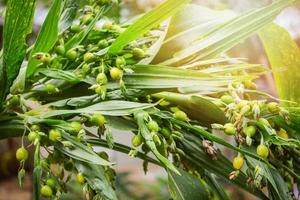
column 145, row 23
column 68, row 15
column 227, row 35
column 47, row 36
column 283, row 53
column 186, row 187
column 17, row 25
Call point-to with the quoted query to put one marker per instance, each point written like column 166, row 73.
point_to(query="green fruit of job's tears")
column 98, row 119
column 242, row 103
column 101, row 79
column 262, row 150
column 88, row 57
column 229, row 129
column 138, row 53
column 107, row 25
column 264, row 121
column 46, row 191
column 75, row 28
column 137, row 140
column 250, row 131
column 46, row 59
column 120, row 61
column 71, row 54
column 238, row 162
column 87, row 18
column 21, row 154
column 103, row 43
column 166, row 132
column 180, row 115
column 100, row 90
column 85, row 69
column 245, row 109
column 35, row 127
column 60, row 50
column 14, row 100
column 51, row 89
column 76, row 126
column 273, row 107
column 153, row 126
column 103, row 155
column 80, row 178
column 227, row 99
column 54, row 135
column 250, row 85
column 282, row 133
column 51, row 183
column 33, row 136
column 116, row 73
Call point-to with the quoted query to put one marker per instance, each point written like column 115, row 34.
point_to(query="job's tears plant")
column 88, row 70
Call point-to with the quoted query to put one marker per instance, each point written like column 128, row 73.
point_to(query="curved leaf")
column 95, row 176
column 186, row 187
column 79, row 151
column 284, row 57
column 188, row 26
column 68, row 15
column 227, row 35
column 145, row 23
column 47, row 36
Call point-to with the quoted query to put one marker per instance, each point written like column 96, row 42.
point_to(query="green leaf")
column 11, row 128
column 227, row 35
column 145, row 133
column 216, row 187
column 285, row 61
column 279, row 187
column 79, row 151
column 193, row 105
column 37, row 175
column 163, row 77
column 123, row 149
column 68, row 15
column 95, row 177
column 189, row 25
column 60, row 75
column 79, row 37
column 155, row 48
column 211, row 137
column 111, row 108
column 47, row 36
column 221, row 167
column 17, row 25
column 186, row 187
column 147, row 22
column 270, row 137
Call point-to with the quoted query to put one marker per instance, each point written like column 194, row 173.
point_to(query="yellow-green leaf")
column 284, row 57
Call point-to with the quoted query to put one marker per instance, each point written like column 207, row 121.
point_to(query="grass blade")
column 226, row 36
column 47, row 36
column 147, row 22
column 68, row 14
column 286, row 57
column 186, row 187
column 17, row 25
